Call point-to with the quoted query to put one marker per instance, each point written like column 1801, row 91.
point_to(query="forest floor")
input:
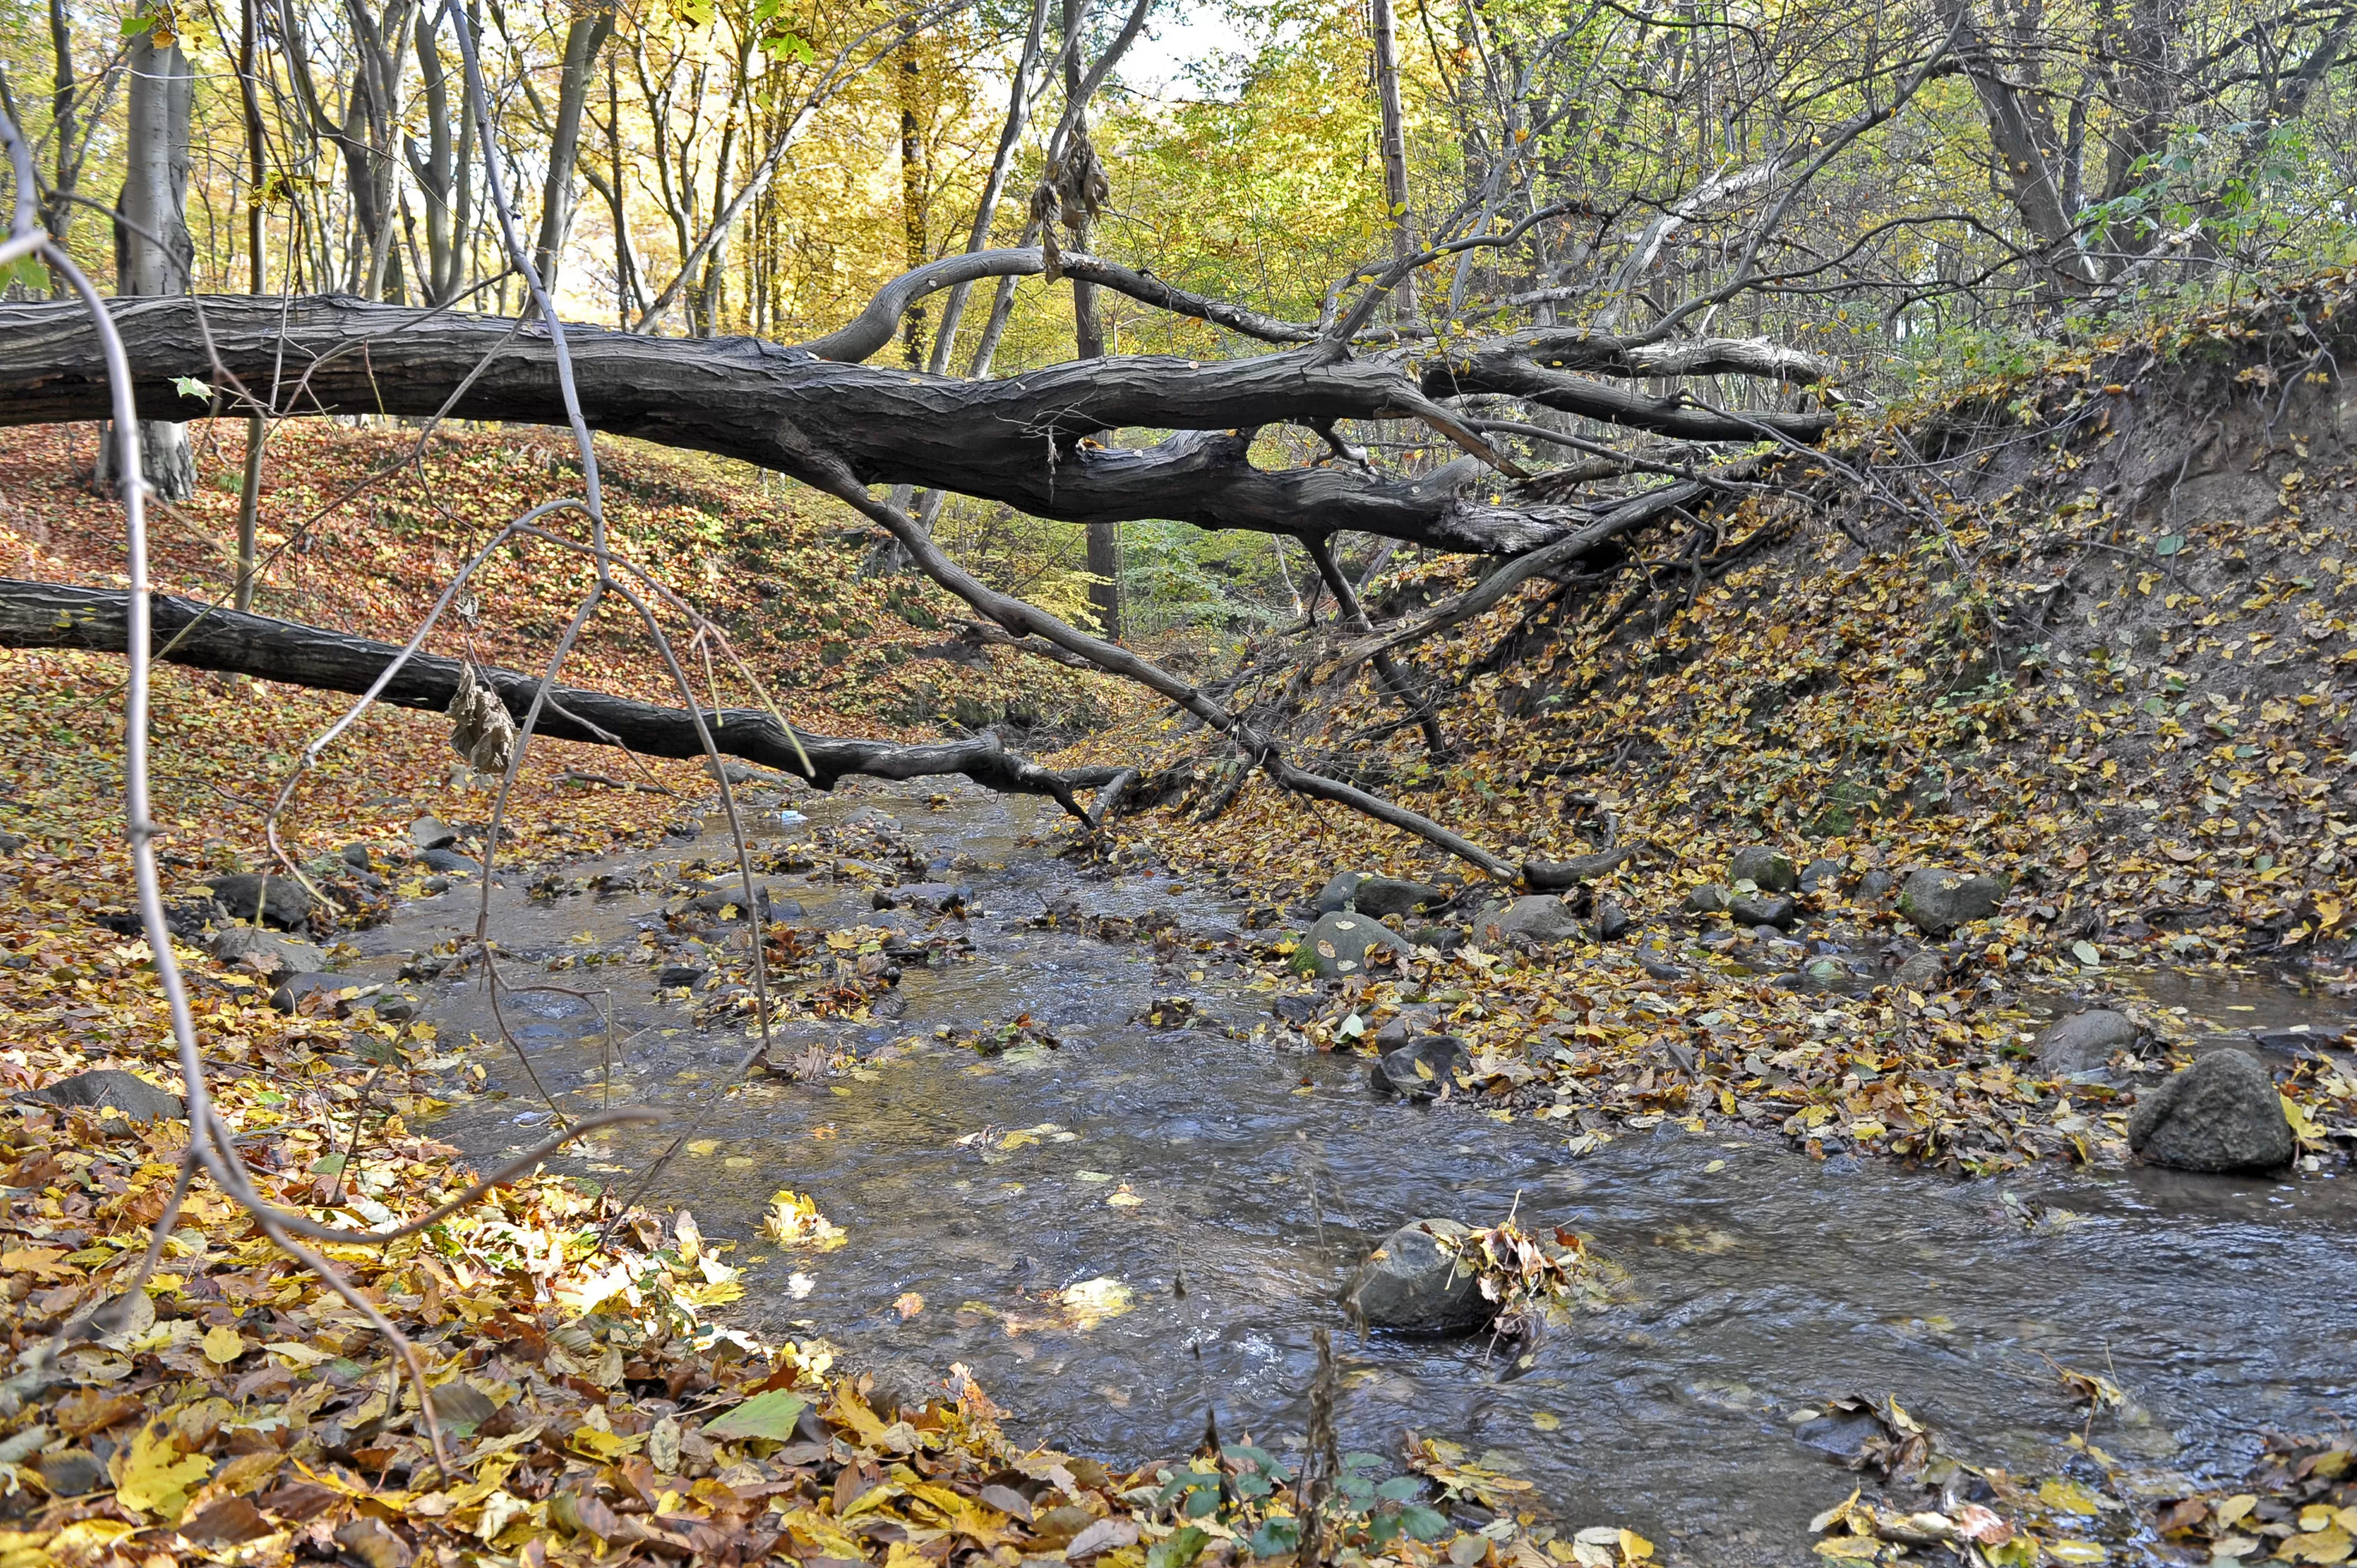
column 2103, row 647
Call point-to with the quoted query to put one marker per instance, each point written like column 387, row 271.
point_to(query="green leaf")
column 1423, row 1523
column 1203, row 1500
column 1180, row 1550
column 189, row 386
column 772, row 1415
column 1276, row 1537
column 2168, row 544
column 135, row 26
column 30, row 270
column 1400, row 1488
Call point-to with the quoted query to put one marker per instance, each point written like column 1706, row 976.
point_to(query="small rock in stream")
column 1923, row 971
column 432, row 833
column 1709, row 898
column 1764, row 868
column 2084, row 1042
column 1339, row 945
column 1420, row 1069
column 1536, row 918
column 1411, row 1286
column 1940, row 901
column 1368, row 894
column 1754, row 909
column 2222, row 1115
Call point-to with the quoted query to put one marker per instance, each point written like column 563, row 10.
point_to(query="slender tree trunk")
column 1088, row 342
column 584, row 36
column 153, row 250
column 1394, row 156
column 987, row 210
column 57, row 204
column 914, row 185
column 257, row 173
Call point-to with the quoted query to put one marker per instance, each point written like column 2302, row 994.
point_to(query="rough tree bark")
column 584, row 37
column 1088, row 328
column 1387, row 93
column 50, row 615
column 152, row 247
column 1026, row 441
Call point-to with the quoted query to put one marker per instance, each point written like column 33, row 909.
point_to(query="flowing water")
column 1760, row 1280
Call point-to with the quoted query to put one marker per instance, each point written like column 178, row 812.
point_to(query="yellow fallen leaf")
column 157, row 1477
column 2331, row 1544
column 2067, row 1497
column 298, row 1355
column 1091, row 1301
column 223, row 1344
column 1545, row 1420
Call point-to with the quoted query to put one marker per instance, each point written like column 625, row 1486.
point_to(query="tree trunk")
column 1394, row 157
column 2029, row 174
column 1088, row 338
column 1020, row 441
column 915, row 183
column 584, row 36
column 257, row 173
column 49, row 615
column 153, row 250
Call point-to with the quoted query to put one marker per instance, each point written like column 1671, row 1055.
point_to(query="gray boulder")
column 1538, row 918
column 1340, row 945
column 1405, row 1025
column 1764, row 868
column 2221, row 1114
column 1368, row 894
column 134, row 1097
column 1411, row 1286
column 1776, row 910
column 1923, row 970
column 1940, row 901
column 1820, row 874
column 1421, row 1069
column 253, row 949
column 1612, row 922
column 941, row 897
column 1709, row 898
column 432, row 833
column 2084, row 1042
column 449, row 862
column 284, row 902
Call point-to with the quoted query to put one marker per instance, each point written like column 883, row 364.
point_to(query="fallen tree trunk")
column 1028, row 441
column 53, row 615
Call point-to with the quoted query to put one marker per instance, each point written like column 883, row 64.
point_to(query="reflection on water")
column 1760, row 1280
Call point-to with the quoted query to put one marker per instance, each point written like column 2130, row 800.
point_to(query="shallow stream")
column 1760, row 1281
